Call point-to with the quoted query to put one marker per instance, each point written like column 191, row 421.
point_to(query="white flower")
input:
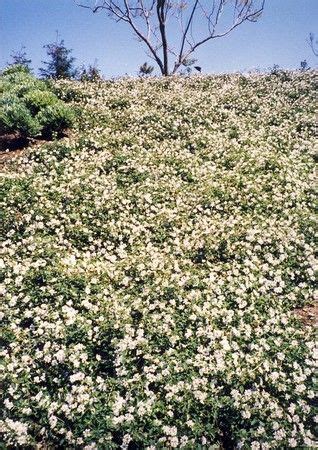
column 79, row 376
column 292, row 442
column 60, row 355
column 174, row 442
column 8, row 404
column 69, row 260
column 53, row 421
column 246, row 414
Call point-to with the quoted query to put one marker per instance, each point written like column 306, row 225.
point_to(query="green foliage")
column 29, row 107
column 13, row 69
column 152, row 265
column 15, row 116
column 60, row 64
column 37, row 100
column 55, row 118
column 68, row 91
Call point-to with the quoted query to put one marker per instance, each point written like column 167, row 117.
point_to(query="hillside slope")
column 152, row 263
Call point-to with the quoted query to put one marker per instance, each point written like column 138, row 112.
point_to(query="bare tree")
column 176, row 28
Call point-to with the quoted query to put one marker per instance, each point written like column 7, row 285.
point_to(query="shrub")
column 29, row 107
column 37, row 100
column 18, row 80
column 55, row 118
column 16, row 68
column 69, row 91
column 15, row 117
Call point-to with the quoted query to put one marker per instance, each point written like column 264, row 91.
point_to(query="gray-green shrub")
column 28, row 106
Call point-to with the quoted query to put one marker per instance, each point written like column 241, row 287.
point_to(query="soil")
column 6, row 156
column 309, row 314
column 10, row 146
column 13, row 144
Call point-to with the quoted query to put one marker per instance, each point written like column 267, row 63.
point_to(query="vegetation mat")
column 152, row 264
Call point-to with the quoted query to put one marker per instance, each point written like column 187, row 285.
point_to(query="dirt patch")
column 309, row 313
column 12, row 145
column 6, row 156
column 12, row 142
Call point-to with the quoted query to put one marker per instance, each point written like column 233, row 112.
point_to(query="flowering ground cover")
column 151, row 266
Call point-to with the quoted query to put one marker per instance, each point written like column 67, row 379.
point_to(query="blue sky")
column 279, row 37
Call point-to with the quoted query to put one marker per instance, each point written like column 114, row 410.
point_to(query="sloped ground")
column 152, row 264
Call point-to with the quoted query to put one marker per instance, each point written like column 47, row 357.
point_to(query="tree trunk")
column 162, row 28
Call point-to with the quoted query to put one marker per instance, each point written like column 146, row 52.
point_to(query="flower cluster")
column 151, row 265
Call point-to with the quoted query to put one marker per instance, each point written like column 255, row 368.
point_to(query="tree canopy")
column 60, row 63
column 172, row 31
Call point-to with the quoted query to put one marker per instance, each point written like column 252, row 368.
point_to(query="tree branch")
column 239, row 21
column 184, row 37
column 148, row 20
